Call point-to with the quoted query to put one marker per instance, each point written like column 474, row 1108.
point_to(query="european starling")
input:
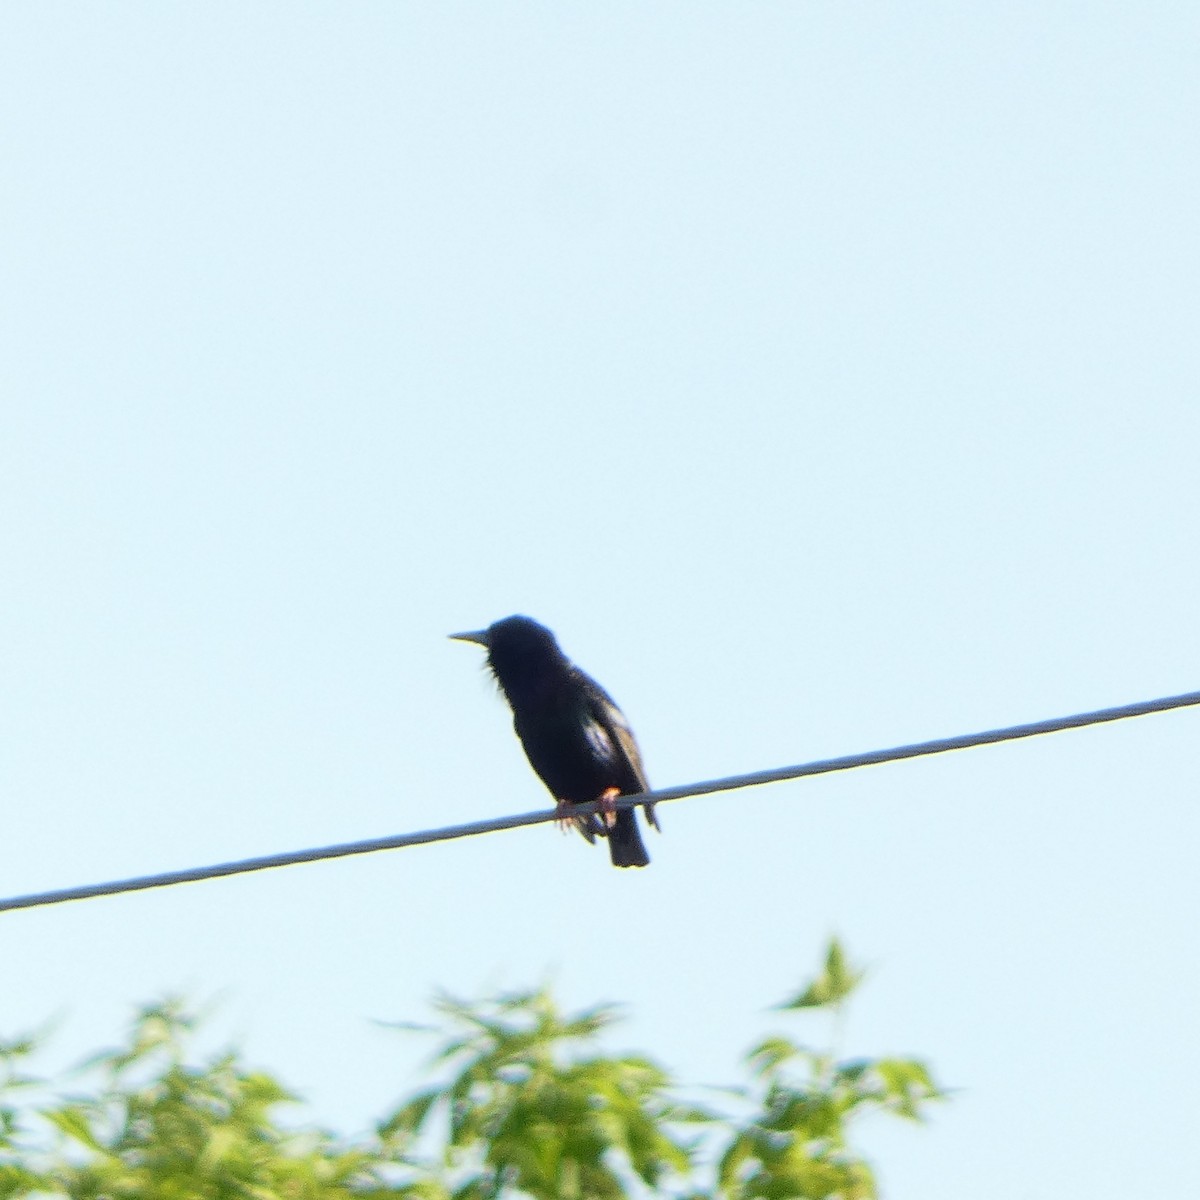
column 574, row 735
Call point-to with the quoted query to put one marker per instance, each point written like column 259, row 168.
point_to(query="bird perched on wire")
column 574, row 735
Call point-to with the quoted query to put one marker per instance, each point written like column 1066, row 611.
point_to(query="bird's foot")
column 608, row 810
column 564, row 818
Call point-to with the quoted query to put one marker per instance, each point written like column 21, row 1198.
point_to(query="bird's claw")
column 564, row 818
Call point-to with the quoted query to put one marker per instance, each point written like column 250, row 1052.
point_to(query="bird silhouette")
column 574, row 735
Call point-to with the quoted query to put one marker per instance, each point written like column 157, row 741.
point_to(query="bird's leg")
column 608, row 810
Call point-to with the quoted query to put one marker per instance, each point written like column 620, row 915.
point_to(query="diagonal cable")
column 731, row 782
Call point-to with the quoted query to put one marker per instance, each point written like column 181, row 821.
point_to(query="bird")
column 573, row 733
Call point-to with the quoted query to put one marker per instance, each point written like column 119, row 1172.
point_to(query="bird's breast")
column 569, row 749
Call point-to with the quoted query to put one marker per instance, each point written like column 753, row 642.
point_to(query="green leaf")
column 770, row 1054
column 907, row 1085
column 74, row 1121
column 832, row 986
column 409, row 1117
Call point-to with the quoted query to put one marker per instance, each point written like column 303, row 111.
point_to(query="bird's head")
column 520, row 651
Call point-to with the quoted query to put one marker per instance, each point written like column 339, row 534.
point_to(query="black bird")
column 574, row 735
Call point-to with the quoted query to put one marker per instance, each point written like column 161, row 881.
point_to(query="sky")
column 825, row 374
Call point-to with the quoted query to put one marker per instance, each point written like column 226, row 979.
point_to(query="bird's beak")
column 479, row 637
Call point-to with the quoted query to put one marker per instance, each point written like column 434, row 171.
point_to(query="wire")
column 492, row 825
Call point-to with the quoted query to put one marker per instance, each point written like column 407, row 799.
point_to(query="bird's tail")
column 625, row 841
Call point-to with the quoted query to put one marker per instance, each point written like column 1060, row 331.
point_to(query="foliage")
column 526, row 1104
column 155, row 1127
column 796, row 1143
column 524, row 1114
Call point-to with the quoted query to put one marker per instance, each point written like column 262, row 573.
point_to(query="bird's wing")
column 612, row 720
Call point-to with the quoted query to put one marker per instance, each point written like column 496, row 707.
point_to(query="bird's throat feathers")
column 526, row 661
column 527, row 682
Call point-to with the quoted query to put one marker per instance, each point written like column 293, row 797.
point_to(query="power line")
column 821, row 767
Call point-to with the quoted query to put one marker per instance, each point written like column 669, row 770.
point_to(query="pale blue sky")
column 824, row 373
